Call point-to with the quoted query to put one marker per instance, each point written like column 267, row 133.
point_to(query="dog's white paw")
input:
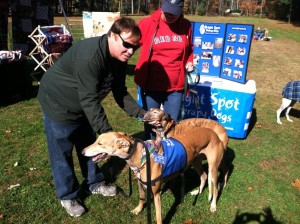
column 290, row 120
column 213, row 208
column 136, row 211
column 279, row 122
column 195, row 192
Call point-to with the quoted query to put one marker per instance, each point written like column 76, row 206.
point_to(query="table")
column 230, row 103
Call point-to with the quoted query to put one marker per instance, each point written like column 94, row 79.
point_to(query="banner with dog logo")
column 229, row 103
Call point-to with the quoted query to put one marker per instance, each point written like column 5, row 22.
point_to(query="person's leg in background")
column 150, row 99
column 173, row 104
column 171, row 101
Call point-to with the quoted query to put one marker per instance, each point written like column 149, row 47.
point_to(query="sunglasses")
column 129, row 45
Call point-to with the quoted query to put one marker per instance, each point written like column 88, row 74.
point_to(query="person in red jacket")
column 167, row 51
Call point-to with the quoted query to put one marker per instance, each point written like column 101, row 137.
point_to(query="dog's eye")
column 99, row 143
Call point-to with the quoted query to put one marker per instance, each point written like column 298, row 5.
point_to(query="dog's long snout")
column 147, row 116
column 87, row 152
column 83, row 152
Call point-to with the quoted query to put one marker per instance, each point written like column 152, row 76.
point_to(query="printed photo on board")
column 228, row 61
column 241, row 51
column 227, row 72
column 208, row 45
column 232, row 37
column 230, row 50
column 196, row 58
column 218, row 42
column 239, row 63
column 243, row 38
column 216, row 60
column 205, row 67
column 237, row 74
column 197, row 41
column 206, row 55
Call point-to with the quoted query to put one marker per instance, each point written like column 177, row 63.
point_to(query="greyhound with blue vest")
column 165, row 127
column 168, row 159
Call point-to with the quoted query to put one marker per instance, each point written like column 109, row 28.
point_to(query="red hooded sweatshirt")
column 166, row 48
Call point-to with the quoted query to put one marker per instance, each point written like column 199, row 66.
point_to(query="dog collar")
column 168, row 127
column 132, row 149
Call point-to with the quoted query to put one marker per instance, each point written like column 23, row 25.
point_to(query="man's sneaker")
column 103, row 189
column 73, row 207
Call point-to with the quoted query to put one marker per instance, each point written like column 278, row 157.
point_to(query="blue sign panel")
column 208, row 40
column 236, row 52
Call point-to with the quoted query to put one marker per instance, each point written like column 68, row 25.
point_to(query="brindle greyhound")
column 192, row 143
column 164, row 126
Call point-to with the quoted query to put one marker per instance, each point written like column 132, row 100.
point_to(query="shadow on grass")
column 264, row 217
column 252, row 122
column 294, row 113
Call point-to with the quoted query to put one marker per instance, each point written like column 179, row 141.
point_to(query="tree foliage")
column 274, row 9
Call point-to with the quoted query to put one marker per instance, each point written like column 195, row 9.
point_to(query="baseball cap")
column 172, row 6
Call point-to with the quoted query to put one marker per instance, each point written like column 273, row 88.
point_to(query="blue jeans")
column 171, row 102
column 61, row 140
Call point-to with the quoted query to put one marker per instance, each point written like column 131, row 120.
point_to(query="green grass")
column 264, row 164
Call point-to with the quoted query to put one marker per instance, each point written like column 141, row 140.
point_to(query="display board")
column 222, row 50
column 208, row 40
column 98, row 23
column 236, row 52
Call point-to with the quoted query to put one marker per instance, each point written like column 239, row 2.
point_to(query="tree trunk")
column 262, row 5
column 207, row 7
column 290, row 13
column 139, row 7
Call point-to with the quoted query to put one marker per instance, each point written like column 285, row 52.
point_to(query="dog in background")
column 290, row 95
column 165, row 162
column 164, row 126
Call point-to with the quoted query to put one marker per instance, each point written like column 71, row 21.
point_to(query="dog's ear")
column 167, row 117
column 124, row 134
column 121, row 143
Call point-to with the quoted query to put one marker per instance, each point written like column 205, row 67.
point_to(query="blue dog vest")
column 174, row 156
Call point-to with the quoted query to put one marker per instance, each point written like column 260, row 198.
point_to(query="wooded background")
column 272, row 9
